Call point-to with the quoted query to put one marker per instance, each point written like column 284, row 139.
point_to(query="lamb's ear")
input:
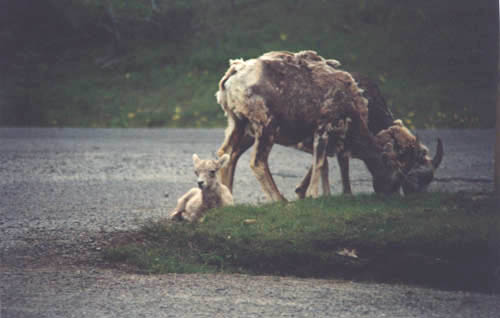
column 196, row 159
column 223, row 160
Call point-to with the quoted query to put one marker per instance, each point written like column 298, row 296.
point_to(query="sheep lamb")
column 209, row 194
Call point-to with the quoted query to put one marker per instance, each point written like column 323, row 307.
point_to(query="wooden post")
column 497, row 143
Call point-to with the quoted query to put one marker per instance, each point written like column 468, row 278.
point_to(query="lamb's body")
column 288, row 99
column 209, row 194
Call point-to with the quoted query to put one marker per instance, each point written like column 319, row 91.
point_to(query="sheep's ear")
column 196, row 159
column 223, row 160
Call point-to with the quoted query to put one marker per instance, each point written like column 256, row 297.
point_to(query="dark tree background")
column 135, row 63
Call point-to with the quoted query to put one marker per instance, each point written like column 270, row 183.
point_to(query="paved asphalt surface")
column 61, row 188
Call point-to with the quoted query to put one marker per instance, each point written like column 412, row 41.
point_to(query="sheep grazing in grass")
column 411, row 155
column 291, row 98
column 209, row 194
column 304, row 101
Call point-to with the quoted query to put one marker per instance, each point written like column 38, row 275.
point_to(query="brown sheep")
column 289, row 99
column 411, row 155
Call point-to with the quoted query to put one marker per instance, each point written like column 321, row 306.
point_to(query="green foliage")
column 427, row 239
column 435, row 63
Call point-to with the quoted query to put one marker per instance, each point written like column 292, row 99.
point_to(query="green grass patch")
column 436, row 239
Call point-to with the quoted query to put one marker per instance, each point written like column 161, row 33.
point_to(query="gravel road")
column 63, row 192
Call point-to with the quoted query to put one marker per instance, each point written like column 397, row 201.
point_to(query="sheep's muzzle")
column 421, row 175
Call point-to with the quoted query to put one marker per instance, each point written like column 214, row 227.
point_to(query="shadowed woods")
column 138, row 63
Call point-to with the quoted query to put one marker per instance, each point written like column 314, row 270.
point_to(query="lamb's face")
column 206, row 171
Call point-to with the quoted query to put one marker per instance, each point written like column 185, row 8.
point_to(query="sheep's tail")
column 234, row 66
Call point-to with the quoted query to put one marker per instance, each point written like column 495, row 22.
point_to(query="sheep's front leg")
column 235, row 144
column 325, row 182
column 301, row 188
column 319, row 158
column 227, row 172
column 181, row 204
column 343, row 160
column 264, row 140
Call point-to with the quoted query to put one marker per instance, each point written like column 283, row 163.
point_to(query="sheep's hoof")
column 300, row 192
column 175, row 216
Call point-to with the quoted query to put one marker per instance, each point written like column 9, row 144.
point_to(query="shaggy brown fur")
column 410, row 154
column 288, row 98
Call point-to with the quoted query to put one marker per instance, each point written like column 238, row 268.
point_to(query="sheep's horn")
column 436, row 161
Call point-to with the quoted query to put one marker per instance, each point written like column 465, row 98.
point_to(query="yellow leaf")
column 348, row 253
column 283, row 36
column 131, row 115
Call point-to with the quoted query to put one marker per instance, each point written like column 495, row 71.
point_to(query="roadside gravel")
column 65, row 193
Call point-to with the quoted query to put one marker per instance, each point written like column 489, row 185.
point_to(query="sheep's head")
column 416, row 168
column 421, row 173
column 206, row 170
column 388, row 178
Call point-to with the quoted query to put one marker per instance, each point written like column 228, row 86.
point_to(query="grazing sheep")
column 209, row 194
column 419, row 168
column 288, row 99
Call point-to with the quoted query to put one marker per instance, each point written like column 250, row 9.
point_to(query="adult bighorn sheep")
column 412, row 155
column 289, row 99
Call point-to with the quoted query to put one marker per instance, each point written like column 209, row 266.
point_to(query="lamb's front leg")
column 181, row 204
column 319, row 158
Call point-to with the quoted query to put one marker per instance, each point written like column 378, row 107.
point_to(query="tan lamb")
column 209, row 194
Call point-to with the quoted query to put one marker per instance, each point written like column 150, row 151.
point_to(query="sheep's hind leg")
column 301, row 189
column 343, row 160
column 264, row 140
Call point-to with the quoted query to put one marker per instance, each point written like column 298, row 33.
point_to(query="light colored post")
column 497, row 143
